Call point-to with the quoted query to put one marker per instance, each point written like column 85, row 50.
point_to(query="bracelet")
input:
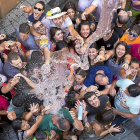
column 127, row 63
column 105, row 57
column 20, row 49
column 108, row 131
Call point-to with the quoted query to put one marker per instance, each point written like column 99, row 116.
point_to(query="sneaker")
column 118, row 133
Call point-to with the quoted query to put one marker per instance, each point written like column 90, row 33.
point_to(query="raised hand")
column 33, row 108
column 73, row 115
column 128, row 71
column 125, row 66
column 44, row 37
column 112, row 91
column 84, row 14
column 114, row 129
column 15, row 80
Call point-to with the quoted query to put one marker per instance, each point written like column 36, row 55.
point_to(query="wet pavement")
column 9, row 24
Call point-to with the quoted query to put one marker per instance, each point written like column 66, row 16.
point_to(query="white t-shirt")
column 97, row 12
column 64, row 27
column 133, row 103
column 83, row 4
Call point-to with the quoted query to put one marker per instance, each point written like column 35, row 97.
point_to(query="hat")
column 124, row 83
column 55, row 13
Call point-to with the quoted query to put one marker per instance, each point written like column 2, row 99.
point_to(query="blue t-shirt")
column 18, row 110
column 9, row 70
column 29, row 43
column 90, row 80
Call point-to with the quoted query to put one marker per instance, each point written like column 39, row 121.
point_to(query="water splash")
column 53, row 79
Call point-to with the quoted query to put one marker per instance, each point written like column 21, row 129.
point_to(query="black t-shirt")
column 92, row 110
column 118, row 30
column 7, row 95
column 109, row 44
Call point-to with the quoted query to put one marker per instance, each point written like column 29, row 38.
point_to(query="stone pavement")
column 10, row 23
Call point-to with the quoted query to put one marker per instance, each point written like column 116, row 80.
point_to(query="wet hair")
column 16, row 124
column 53, row 31
column 18, row 99
column 94, row 45
column 24, row 28
column 88, row 95
column 30, row 100
column 40, row 135
column 7, row 38
column 31, row 65
column 22, row 84
column 34, row 22
column 91, row 19
column 121, row 60
column 136, row 29
column 62, row 124
column 81, row 72
column 60, row 45
column 123, row 19
column 13, row 56
column 37, row 56
column 70, row 99
column 105, row 117
column 69, row 5
column 42, row 3
column 134, row 60
column 78, row 15
column 134, row 90
column 83, row 22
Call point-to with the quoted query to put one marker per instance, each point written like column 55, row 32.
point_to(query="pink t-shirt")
column 135, row 51
column 3, row 103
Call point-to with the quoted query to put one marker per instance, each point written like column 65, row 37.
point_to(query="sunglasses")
column 134, row 35
column 108, row 33
column 39, row 27
column 37, row 8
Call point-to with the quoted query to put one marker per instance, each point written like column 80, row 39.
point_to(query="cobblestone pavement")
column 9, row 24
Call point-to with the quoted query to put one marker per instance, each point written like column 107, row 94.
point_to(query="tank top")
column 31, row 17
column 114, row 67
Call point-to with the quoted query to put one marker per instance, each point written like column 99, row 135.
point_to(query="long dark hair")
column 83, row 22
column 121, row 60
column 69, row 5
column 93, row 45
column 104, row 117
column 53, row 31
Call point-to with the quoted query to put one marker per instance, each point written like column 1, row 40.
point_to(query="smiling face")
column 132, row 35
column 94, row 101
column 102, row 80
column 92, row 53
column 58, row 21
column 40, row 28
column 13, row 47
column 25, row 125
column 17, row 63
column 79, row 79
column 120, row 51
column 78, row 49
column 71, row 13
column 38, row 10
column 85, row 31
column 58, row 36
column 134, row 68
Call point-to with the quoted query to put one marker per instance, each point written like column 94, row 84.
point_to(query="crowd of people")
column 108, row 92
